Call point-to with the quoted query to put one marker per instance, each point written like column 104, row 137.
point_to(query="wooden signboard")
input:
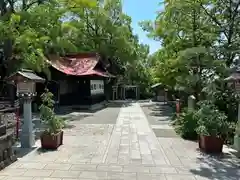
column 26, row 87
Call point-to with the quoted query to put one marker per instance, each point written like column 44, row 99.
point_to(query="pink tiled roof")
column 77, row 65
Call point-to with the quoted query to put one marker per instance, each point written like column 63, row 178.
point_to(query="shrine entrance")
column 123, row 92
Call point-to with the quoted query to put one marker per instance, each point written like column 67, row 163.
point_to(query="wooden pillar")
column 113, row 92
column 121, row 93
column 165, row 96
column 117, row 93
column 58, row 93
column 136, row 91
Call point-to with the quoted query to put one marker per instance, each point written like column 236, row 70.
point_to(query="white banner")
column 97, row 87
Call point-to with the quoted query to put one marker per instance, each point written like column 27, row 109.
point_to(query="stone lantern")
column 234, row 82
column 25, row 81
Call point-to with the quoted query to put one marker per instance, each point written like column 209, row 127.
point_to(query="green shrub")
column 211, row 121
column 185, row 125
column 47, row 115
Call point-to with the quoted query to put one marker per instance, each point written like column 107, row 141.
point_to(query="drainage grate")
column 167, row 133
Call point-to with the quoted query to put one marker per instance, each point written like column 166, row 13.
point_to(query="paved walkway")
column 128, row 150
column 133, row 141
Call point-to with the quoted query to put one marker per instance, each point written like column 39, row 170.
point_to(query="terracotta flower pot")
column 210, row 144
column 51, row 141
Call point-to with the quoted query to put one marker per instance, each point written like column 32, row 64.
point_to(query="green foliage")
column 211, row 122
column 225, row 98
column 200, row 42
column 37, row 29
column 185, row 124
column 47, row 115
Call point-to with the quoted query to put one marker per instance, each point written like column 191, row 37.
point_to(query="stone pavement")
column 128, row 150
column 133, row 141
column 159, row 118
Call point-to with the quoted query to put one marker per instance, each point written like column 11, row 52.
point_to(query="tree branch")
column 234, row 14
column 3, row 7
column 214, row 19
column 23, row 4
column 11, row 4
column 27, row 6
column 89, row 25
column 232, row 17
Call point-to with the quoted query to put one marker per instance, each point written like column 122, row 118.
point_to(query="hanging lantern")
column 25, row 80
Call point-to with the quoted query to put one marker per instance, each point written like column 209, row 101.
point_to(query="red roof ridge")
column 83, row 55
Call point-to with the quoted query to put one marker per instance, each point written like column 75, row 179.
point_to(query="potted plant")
column 52, row 137
column 212, row 127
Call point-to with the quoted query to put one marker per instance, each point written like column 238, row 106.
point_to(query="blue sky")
column 141, row 10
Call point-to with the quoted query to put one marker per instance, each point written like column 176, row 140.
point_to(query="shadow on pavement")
column 69, row 126
column 160, row 114
column 74, row 116
column 154, row 103
column 118, row 104
column 42, row 151
column 62, row 111
column 158, row 109
column 165, row 133
column 220, row 167
column 21, row 152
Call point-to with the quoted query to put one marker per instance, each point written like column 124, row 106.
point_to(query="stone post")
column 239, row 113
column 178, row 106
column 191, row 103
column 237, row 135
column 165, row 96
column 27, row 135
